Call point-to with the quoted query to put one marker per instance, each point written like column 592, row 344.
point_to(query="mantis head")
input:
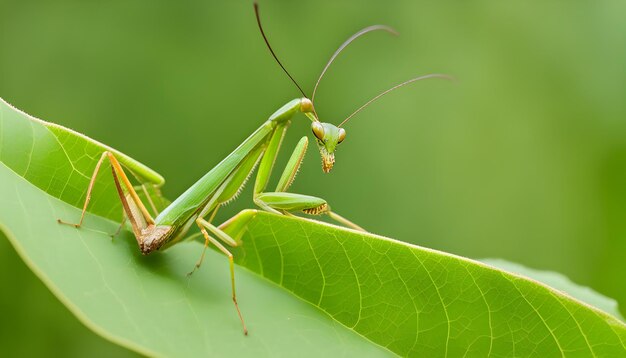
column 328, row 136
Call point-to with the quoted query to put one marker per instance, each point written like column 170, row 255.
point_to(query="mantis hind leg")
column 204, row 226
column 92, row 181
column 136, row 212
column 200, row 222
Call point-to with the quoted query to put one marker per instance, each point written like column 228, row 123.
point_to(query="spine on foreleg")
column 318, row 210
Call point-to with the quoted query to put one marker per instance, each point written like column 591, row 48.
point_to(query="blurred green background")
column 523, row 159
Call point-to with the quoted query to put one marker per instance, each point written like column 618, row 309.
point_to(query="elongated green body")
column 173, row 222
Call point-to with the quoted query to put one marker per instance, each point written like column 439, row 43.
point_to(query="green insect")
column 200, row 203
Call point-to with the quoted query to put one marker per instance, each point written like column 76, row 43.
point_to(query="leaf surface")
column 421, row 302
column 61, row 162
column 148, row 303
column 561, row 282
column 344, row 293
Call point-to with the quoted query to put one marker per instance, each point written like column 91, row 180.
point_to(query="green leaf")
column 344, row 292
column 563, row 283
column 148, row 303
column 61, row 161
column 417, row 301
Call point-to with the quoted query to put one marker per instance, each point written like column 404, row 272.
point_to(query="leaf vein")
column 443, row 305
column 538, row 315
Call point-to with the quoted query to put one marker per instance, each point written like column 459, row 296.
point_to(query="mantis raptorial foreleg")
column 280, row 201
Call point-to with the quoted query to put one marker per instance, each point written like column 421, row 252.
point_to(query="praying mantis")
column 199, row 204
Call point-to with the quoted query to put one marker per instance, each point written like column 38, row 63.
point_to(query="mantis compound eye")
column 342, row 135
column 318, row 130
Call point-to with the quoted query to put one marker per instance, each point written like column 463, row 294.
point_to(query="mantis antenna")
column 345, row 44
column 258, row 20
column 434, row 75
column 332, row 58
